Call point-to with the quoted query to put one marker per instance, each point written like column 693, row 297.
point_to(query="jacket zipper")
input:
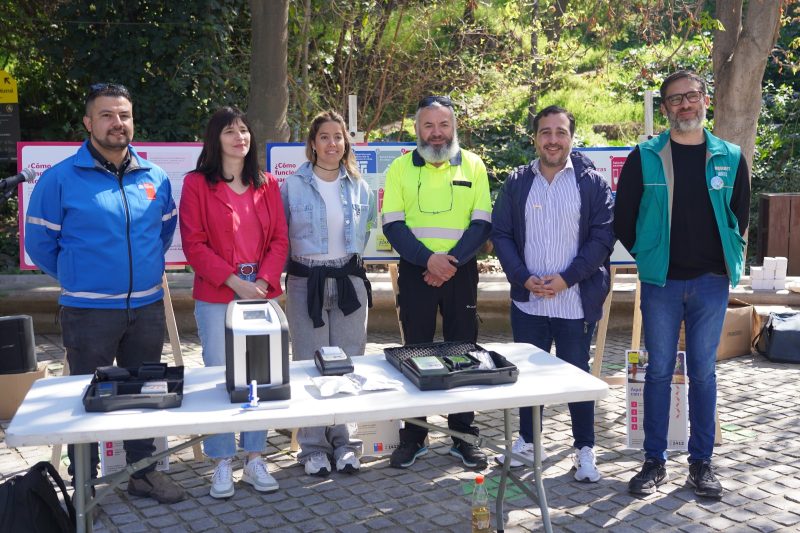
column 128, row 239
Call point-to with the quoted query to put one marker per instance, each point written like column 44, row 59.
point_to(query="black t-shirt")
column 695, row 245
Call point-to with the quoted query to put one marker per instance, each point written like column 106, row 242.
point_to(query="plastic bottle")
column 481, row 518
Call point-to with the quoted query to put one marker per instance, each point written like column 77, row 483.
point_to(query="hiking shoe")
column 585, row 465
column 317, row 464
column 256, row 473
column 156, row 485
column 405, row 454
column 652, row 475
column 470, row 455
column 705, row 483
column 348, row 463
column 519, row 447
column 222, row 480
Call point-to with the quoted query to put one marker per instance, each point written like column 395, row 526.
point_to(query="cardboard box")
column 738, row 331
column 112, row 456
column 678, row 430
column 378, row 438
column 15, row 387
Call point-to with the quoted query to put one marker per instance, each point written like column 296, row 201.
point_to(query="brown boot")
column 158, row 486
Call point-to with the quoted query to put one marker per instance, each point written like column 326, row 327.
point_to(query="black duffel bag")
column 779, row 338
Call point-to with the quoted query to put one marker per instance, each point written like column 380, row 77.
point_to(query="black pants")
column 420, row 303
column 96, row 337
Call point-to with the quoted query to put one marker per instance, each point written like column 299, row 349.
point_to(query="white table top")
column 53, row 413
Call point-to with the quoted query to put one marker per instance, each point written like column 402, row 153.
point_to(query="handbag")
column 29, row 503
column 779, row 338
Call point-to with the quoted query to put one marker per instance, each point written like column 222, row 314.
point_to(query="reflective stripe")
column 437, row 233
column 169, row 215
column 100, row 296
column 394, row 216
column 43, row 222
column 477, row 214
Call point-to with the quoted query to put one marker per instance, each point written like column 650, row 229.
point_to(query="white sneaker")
column 222, row 480
column 585, row 465
column 256, row 473
column 520, row 447
column 348, row 463
column 317, row 464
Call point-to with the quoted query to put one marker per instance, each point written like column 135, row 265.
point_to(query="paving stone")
column 161, row 522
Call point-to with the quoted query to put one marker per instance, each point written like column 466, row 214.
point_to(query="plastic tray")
column 399, row 357
column 129, row 395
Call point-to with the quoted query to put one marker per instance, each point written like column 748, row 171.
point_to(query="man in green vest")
column 682, row 208
column 437, row 214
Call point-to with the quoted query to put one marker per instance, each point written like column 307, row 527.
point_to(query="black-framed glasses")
column 430, row 100
column 419, row 196
column 692, row 97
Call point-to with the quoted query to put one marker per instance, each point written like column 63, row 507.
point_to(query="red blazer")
column 206, row 221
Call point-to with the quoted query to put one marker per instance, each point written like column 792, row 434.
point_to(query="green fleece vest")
column 651, row 248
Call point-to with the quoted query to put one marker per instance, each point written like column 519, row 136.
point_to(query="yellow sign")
column 8, row 89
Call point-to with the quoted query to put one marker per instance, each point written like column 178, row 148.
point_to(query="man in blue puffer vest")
column 682, row 208
column 100, row 223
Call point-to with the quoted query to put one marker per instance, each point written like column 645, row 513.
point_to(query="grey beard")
column 438, row 155
column 685, row 126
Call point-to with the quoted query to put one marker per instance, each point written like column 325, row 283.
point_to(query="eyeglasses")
column 691, row 97
column 430, row 100
column 419, row 195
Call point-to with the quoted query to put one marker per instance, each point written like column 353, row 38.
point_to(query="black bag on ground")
column 779, row 338
column 29, row 503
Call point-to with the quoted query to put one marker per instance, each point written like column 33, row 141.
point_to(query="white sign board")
column 283, row 159
column 175, row 158
column 678, row 431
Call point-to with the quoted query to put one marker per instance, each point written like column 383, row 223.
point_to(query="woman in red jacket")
column 234, row 236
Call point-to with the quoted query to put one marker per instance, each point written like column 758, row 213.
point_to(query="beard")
column 112, row 143
column 686, row 125
column 443, row 153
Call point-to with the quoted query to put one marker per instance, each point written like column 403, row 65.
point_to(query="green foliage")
column 181, row 60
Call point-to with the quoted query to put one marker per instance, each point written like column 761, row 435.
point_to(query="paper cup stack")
column 771, row 276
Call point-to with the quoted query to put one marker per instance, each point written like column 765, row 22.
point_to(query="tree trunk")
column 740, row 56
column 533, row 98
column 269, row 93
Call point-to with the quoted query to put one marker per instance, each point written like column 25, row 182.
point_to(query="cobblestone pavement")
column 758, row 463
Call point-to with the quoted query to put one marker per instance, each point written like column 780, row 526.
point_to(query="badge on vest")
column 717, row 183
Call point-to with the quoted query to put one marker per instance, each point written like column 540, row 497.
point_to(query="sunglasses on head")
column 430, row 100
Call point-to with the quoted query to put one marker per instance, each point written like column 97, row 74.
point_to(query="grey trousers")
column 347, row 332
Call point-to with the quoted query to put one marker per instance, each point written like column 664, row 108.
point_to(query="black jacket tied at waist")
column 346, row 293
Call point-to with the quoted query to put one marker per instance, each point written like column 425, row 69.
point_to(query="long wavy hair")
column 348, row 158
column 209, row 163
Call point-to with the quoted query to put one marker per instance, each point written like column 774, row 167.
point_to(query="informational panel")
column 283, row 159
column 175, row 158
column 609, row 163
column 678, row 424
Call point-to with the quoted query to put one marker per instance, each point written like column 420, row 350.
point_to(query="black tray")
column 400, row 357
column 129, row 395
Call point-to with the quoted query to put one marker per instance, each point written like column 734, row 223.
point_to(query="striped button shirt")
column 552, row 216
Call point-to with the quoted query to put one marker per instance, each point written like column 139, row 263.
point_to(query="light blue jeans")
column 210, row 319
column 701, row 303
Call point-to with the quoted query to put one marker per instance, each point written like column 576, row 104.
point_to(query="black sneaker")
column 702, row 478
column 405, row 454
column 470, row 455
column 652, row 475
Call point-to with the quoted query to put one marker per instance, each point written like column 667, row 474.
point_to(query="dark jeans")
column 419, row 305
column 95, row 337
column 573, row 339
column 700, row 303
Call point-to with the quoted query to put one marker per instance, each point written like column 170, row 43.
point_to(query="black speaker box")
column 17, row 354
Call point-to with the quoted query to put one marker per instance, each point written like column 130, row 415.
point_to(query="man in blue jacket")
column 552, row 231
column 100, row 223
column 682, row 208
